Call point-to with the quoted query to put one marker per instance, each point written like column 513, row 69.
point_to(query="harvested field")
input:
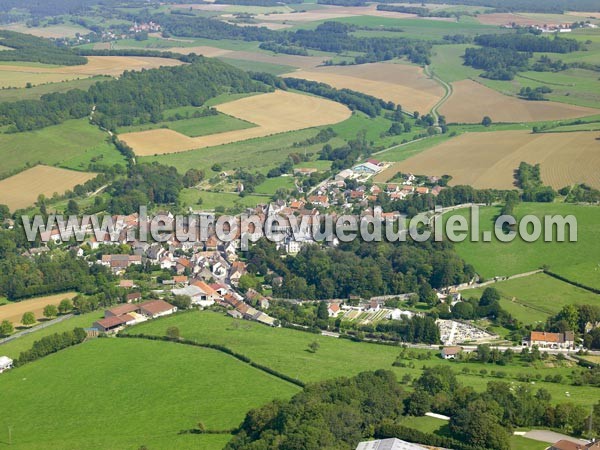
column 509, row 18
column 402, row 84
column 333, row 12
column 302, row 62
column 97, row 65
column 23, row 189
column 52, row 31
column 204, row 50
column 273, row 113
column 471, row 101
column 13, row 312
column 587, row 15
column 488, row 159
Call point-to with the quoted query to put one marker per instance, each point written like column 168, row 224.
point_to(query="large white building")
column 5, row 363
column 389, row 444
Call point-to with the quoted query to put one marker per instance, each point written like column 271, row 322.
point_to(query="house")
column 134, row 297
column 333, row 309
column 121, row 310
column 5, row 363
column 422, row 190
column 571, row 445
column 319, row 200
column 450, row 352
column 367, row 168
column 389, row 444
column 127, row 284
column 347, row 173
column 113, row 324
column 211, row 294
column 119, row 263
column 542, row 339
column 157, row 308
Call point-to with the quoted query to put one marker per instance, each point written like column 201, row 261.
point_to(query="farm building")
column 367, row 168
column 5, row 363
column 113, row 324
column 550, row 340
column 450, row 352
column 157, row 308
column 389, row 444
column 569, row 445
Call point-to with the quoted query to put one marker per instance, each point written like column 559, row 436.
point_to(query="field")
column 402, row 84
column 273, row 113
column 13, row 348
column 211, row 200
column 287, row 351
column 17, row 75
column 525, row 19
column 15, row 310
column 487, row 160
column 72, row 144
column 48, row 31
column 471, row 101
column 577, row 261
column 194, row 127
column 148, row 391
column 22, row 190
column 35, row 92
column 532, row 305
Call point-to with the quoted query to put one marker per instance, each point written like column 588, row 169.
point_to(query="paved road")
column 447, row 88
column 550, row 436
column 36, row 328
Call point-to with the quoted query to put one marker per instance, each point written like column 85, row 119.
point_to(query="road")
column 447, row 88
column 36, row 328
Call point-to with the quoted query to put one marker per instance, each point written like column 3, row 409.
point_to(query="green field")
column 532, row 299
column 71, row 144
column 271, row 185
column 286, row 350
column 578, row 261
column 211, row 200
column 34, row 93
column 258, row 66
column 197, row 126
column 122, row 394
column 16, row 346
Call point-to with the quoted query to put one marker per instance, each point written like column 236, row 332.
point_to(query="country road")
column 447, row 88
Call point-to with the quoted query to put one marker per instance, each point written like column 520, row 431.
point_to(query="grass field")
column 13, row 348
column 532, row 299
column 488, row 160
column 402, row 84
column 34, row 93
column 271, row 185
column 212, row 200
column 287, row 351
column 148, row 391
column 15, row 310
column 23, row 189
column 193, row 127
column 72, row 144
column 578, row 261
column 48, row 31
column 258, row 66
column 273, row 113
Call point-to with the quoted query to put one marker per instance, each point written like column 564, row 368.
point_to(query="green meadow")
column 35, row 92
column 72, row 144
column 578, row 261
column 531, row 299
column 128, row 393
column 287, row 351
column 190, row 197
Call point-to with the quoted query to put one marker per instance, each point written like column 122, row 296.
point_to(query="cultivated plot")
column 17, row 75
column 13, row 312
column 471, row 101
column 23, row 189
column 402, row 84
column 273, row 113
column 488, row 160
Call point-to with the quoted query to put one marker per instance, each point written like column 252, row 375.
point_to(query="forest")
column 498, row 63
column 360, row 268
column 34, row 49
column 134, row 98
column 339, row 413
column 526, row 42
column 533, row 6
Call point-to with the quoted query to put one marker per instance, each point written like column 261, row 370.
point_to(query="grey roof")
column 389, row 444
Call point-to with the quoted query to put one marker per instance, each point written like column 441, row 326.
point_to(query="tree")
column 182, row 301
column 65, row 306
column 173, row 333
column 28, row 319
column 322, row 311
column 486, row 122
column 50, row 311
column 216, row 167
column 490, row 295
column 72, row 208
column 6, row 328
column 313, row 347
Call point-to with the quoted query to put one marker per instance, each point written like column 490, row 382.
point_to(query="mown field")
column 488, row 160
column 122, row 394
column 35, row 92
column 211, row 200
column 15, row 310
column 287, row 351
column 22, row 190
column 531, row 299
column 72, row 144
column 578, row 261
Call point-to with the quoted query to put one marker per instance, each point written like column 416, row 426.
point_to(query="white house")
column 5, row 363
column 450, row 352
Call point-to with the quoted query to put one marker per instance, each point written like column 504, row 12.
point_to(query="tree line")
column 26, row 47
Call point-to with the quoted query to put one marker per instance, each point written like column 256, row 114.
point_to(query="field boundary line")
column 571, row 282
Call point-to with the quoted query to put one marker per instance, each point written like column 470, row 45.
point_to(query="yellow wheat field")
column 471, row 101
column 13, row 312
column 488, row 160
column 23, row 189
column 275, row 112
column 402, row 84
